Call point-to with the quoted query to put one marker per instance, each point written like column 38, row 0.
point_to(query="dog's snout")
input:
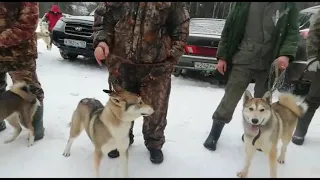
column 254, row 121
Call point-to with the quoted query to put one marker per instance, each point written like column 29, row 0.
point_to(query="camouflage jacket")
column 18, row 22
column 313, row 40
column 142, row 32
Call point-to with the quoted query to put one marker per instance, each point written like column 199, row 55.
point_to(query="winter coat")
column 143, row 32
column 285, row 39
column 18, row 23
column 53, row 16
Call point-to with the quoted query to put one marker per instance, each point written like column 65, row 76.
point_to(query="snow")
column 189, row 120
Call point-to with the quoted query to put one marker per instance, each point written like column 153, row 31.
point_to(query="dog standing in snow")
column 107, row 126
column 44, row 34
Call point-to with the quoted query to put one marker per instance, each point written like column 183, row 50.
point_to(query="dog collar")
column 256, row 137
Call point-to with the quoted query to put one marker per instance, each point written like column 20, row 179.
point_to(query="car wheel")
column 177, row 72
column 69, row 56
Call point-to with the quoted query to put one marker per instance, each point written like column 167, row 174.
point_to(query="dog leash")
column 256, row 137
column 279, row 78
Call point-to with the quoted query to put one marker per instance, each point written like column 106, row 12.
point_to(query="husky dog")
column 18, row 105
column 265, row 123
column 107, row 126
column 44, row 34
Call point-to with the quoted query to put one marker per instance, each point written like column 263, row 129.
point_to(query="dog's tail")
column 289, row 101
column 23, row 90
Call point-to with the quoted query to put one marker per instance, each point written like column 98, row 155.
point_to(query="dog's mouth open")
column 254, row 128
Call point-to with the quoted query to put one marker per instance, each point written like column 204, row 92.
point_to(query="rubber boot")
column 38, row 124
column 115, row 153
column 156, row 156
column 303, row 124
column 212, row 139
column 3, row 85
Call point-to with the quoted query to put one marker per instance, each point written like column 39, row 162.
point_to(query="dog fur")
column 18, row 106
column 273, row 121
column 44, row 34
column 107, row 126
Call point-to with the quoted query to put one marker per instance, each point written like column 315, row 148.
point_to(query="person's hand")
column 101, row 52
column 222, row 66
column 283, row 62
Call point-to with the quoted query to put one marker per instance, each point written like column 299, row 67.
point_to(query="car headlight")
column 59, row 25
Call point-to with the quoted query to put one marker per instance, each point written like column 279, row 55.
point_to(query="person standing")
column 52, row 17
column 254, row 35
column 313, row 96
column 18, row 52
column 145, row 41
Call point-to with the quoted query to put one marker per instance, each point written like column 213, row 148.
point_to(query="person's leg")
column 3, row 85
column 155, row 91
column 25, row 70
column 261, row 83
column 313, row 101
column 238, row 82
column 126, row 81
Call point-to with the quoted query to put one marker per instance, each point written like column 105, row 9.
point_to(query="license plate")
column 75, row 43
column 204, row 66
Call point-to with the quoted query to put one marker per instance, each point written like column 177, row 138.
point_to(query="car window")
column 304, row 20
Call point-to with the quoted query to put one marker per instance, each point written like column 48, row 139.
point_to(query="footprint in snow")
column 74, row 94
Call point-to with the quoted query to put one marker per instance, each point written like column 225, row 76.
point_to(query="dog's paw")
column 7, row 141
column 281, row 160
column 30, row 144
column 66, row 154
column 242, row 174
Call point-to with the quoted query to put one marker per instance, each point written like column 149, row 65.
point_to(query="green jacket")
column 285, row 40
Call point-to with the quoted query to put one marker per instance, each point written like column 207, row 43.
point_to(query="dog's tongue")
column 254, row 127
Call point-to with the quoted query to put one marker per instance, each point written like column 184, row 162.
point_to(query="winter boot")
column 115, row 153
column 38, row 123
column 156, row 156
column 303, row 124
column 212, row 139
column 3, row 85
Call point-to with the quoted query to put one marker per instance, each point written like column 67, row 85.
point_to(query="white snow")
column 189, row 120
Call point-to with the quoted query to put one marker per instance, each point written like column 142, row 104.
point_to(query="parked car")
column 202, row 43
column 73, row 35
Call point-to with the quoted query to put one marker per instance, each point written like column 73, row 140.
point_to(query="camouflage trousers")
column 23, row 69
column 240, row 77
column 153, row 84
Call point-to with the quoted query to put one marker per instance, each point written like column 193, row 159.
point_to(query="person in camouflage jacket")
column 313, row 96
column 18, row 52
column 145, row 41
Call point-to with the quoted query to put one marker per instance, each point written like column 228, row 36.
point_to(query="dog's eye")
column 261, row 110
column 251, row 109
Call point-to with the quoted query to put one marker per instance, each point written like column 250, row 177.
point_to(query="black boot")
column 212, row 139
column 38, row 123
column 303, row 124
column 115, row 153
column 3, row 85
column 156, row 156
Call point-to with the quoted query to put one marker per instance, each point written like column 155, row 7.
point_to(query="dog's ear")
column 246, row 96
column 267, row 97
column 116, row 100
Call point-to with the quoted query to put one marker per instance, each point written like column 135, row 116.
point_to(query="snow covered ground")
column 189, row 120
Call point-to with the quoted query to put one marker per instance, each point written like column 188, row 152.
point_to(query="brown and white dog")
column 265, row 123
column 18, row 106
column 107, row 126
